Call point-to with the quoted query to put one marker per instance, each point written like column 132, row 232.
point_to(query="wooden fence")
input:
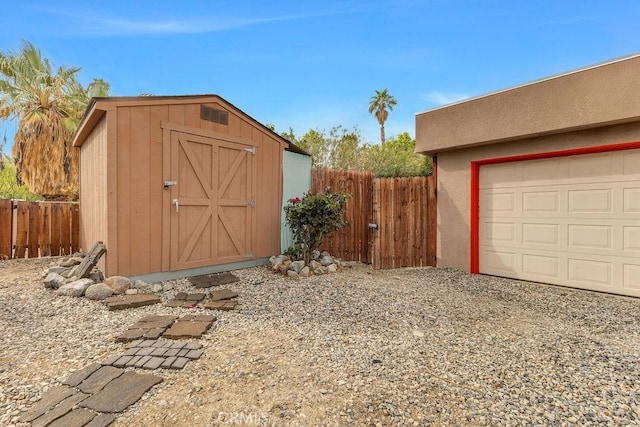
column 402, row 209
column 352, row 242
column 33, row 229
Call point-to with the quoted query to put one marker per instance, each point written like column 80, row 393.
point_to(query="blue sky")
column 315, row 64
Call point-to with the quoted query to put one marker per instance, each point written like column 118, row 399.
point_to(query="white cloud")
column 88, row 23
column 441, row 98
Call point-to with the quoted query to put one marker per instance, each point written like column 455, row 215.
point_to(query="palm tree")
column 48, row 106
column 379, row 103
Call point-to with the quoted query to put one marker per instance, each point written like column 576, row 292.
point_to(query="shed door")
column 212, row 201
column 572, row 221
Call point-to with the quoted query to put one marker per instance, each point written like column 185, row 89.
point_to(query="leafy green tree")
column 48, row 105
column 315, row 143
column 380, row 104
column 9, row 187
column 396, row 158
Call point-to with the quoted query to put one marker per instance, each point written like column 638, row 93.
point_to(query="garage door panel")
column 631, row 163
column 589, row 271
column 541, row 266
column 589, row 236
column 540, row 234
column 500, row 262
column 579, row 229
column 631, row 276
column 540, row 201
column 631, row 200
column 592, row 165
column 631, row 238
column 590, row 201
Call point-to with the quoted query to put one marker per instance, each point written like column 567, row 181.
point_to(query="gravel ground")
column 362, row 347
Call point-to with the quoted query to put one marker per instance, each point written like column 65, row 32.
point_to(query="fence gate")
column 34, row 229
column 392, row 220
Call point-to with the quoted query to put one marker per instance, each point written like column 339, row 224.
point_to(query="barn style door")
column 212, row 201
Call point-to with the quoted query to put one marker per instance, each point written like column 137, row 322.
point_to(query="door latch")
column 177, row 204
column 168, row 184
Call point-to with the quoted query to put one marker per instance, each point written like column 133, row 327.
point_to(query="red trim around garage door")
column 475, row 185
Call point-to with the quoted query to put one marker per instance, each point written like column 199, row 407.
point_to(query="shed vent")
column 213, row 115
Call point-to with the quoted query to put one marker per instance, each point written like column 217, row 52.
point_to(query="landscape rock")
column 305, row 271
column 296, row 266
column 119, row 284
column 53, row 281
column 167, row 287
column 292, row 273
column 314, row 264
column 71, row 262
column 98, row 292
column 76, row 288
column 156, row 288
column 132, row 291
column 332, row 268
column 274, row 260
column 56, row 269
column 97, row 276
column 326, row 261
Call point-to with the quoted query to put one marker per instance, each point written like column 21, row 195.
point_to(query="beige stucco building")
column 542, row 181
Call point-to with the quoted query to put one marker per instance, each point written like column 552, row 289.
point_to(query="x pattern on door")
column 212, row 215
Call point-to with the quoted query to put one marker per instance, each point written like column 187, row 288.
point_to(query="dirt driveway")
column 363, row 347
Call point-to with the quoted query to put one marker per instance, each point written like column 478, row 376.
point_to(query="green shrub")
column 312, row 218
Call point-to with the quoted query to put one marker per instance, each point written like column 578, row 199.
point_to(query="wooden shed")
column 178, row 185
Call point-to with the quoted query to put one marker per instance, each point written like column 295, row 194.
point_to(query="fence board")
column 65, row 224
column 6, row 227
column 75, row 228
column 55, row 229
column 45, row 235
column 22, row 228
column 34, row 230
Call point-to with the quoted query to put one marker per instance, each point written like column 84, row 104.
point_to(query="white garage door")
column 572, row 221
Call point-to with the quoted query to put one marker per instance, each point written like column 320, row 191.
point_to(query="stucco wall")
column 454, row 180
column 596, row 96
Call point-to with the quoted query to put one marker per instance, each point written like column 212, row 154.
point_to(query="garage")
column 541, row 182
column 571, row 220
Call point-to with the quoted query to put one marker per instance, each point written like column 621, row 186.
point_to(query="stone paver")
column 76, row 418
column 224, row 305
column 160, row 350
column 102, row 420
column 210, row 280
column 122, row 392
column 181, row 330
column 60, row 410
column 99, row 379
column 130, row 335
column 179, row 363
column 80, row 375
column 49, row 400
column 122, row 302
column 222, row 294
column 154, row 363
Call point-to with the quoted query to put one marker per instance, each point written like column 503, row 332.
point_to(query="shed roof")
column 594, row 96
column 100, row 105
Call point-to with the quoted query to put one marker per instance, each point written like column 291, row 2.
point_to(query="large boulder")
column 98, row 292
column 119, row 284
column 296, row 266
column 76, row 288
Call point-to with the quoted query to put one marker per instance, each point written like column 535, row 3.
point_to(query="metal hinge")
column 251, row 150
column 249, row 255
column 251, row 203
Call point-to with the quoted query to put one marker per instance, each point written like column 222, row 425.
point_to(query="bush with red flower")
column 312, row 218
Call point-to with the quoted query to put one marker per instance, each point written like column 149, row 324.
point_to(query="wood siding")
column 137, row 208
column 35, row 229
column 94, row 185
column 404, row 210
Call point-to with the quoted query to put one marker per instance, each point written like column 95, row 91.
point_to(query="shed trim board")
column 475, row 168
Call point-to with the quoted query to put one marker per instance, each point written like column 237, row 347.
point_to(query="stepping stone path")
column 152, row 327
column 210, row 280
column 222, row 299
column 95, row 392
column 92, row 395
column 122, row 302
